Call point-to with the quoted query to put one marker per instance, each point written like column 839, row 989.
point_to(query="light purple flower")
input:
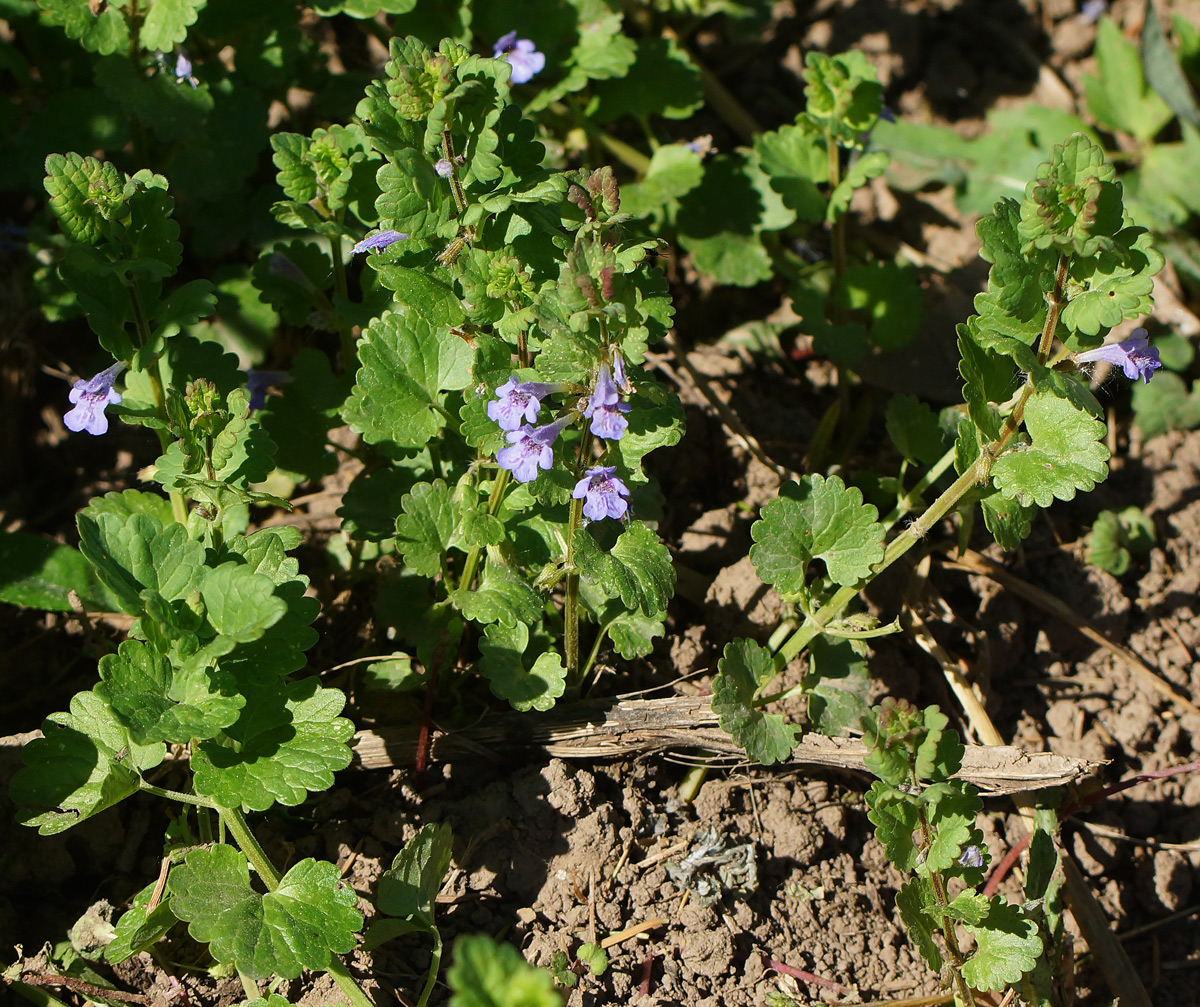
column 378, row 242
column 258, row 382
column 518, row 402
column 1092, row 10
column 619, row 377
column 443, row 168
column 520, row 54
column 91, row 398
column 183, row 69
column 529, row 448
column 972, row 856
column 603, row 493
column 1135, row 356
column 605, row 407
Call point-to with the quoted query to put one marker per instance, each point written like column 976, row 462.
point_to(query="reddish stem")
column 647, row 970
column 1010, row 858
column 808, row 977
column 422, row 759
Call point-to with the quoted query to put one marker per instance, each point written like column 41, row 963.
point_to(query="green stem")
column 249, row 987
column 949, row 934
column 154, row 373
column 175, row 795
column 435, row 964
column 456, row 189
column 905, row 504
column 976, row 474
column 571, row 601
column 498, row 488
column 235, row 821
column 816, row 622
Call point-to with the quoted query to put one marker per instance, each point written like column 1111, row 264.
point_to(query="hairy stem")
column 176, row 795
column 949, row 934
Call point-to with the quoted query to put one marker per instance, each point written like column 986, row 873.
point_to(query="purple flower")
column 529, row 448
column 258, row 382
column 520, row 54
column 1133, row 355
column 603, row 493
column 378, row 242
column 183, row 69
column 972, row 856
column 91, row 398
column 519, row 402
column 443, row 168
column 605, row 407
column 1092, row 10
column 619, row 378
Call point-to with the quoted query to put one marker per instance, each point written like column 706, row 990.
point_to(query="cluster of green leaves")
column 590, row 959
column 742, row 214
column 1068, row 265
column 504, row 260
column 925, row 820
column 818, row 519
column 1140, row 94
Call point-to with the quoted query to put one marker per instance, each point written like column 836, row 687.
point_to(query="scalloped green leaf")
column 37, row 572
column 300, row 925
column 817, row 518
column 1007, row 945
column 914, row 428
column 1067, row 454
column 914, row 902
column 633, row 634
column 240, row 603
column 837, row 684
column 487, row 974
column 638, row 569
column 409, row 887
column 102, row 29
column 953, row 813
column 84, row 763
column 425, row 527
column 406, row 366
column 166, row 23
column 288, row 741
column 895, row 818
column 134, row 551
column 81, row 189
column 502, row 596
column 503, row 664
column 744, row 670
column 158, row 702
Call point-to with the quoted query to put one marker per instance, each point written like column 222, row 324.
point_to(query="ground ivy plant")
column 1067, row 265
column 488, row 352
column 925, row 820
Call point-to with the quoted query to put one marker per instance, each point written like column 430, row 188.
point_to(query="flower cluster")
column 1135, row 356
column 90, row 399
column 530, row 449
